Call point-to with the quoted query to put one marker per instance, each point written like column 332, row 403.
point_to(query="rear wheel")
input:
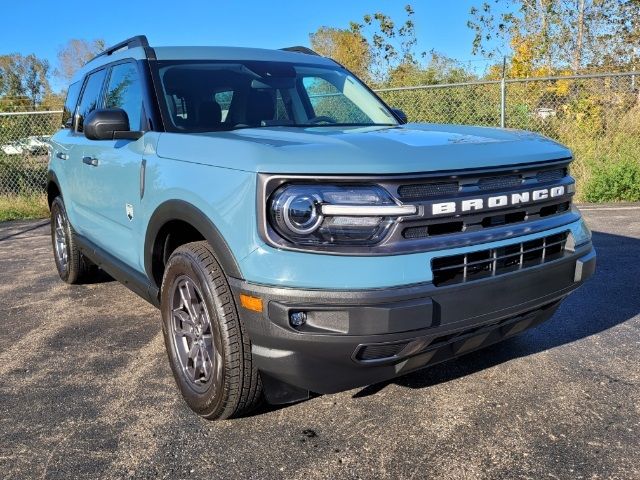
column 209, row 350
column 71, row 265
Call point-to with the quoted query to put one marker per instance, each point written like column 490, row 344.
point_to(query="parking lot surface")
column 86, row 390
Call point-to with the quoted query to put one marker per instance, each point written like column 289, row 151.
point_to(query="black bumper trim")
column 431, row 323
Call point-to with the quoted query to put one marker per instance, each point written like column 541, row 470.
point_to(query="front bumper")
column 356, row 338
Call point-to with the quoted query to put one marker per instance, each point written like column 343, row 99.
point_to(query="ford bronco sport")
column 296, row 233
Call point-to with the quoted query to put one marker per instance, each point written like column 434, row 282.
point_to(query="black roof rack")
column 300, row 49
column 137, row 41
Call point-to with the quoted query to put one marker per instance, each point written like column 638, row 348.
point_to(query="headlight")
column 334, row 214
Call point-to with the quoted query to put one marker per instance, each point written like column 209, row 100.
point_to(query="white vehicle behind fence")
column 34, row 145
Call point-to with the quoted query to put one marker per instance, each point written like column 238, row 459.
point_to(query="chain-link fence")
column 24, row 150
column 598, row 116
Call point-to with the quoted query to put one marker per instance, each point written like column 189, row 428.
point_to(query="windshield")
column 209, row 96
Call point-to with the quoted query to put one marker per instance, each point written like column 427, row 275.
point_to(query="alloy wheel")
column 60, row 240
column 192, row 334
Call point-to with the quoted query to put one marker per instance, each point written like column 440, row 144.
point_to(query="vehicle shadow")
column 14, row 229
column 22, row 228
column 609, row 298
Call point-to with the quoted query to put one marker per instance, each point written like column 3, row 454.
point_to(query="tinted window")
column 125, row 92
column 70, row 104
column 329, row 101
column 209, row 96
column 90, row 96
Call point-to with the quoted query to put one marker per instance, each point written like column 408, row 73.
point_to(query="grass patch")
column 23, row 207
column 612, row 182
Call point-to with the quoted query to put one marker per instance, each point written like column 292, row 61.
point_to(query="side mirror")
column 400, row 115
column 109, row 124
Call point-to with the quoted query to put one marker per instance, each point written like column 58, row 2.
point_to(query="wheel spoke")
column 193, row 352
column 185, row 333
column 183, row 317
column 198, row 366
column 188, row 298
column 208, row 339
column 206, row 364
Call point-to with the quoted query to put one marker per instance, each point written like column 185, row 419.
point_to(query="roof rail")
column 137, row 41
column 299, row 49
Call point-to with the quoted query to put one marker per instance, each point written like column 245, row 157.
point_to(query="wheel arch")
column 178, row 213
column 53, row 187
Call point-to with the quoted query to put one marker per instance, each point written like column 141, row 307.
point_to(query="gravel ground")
column 86, row 390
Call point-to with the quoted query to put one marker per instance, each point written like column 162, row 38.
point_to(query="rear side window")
column 90, row 96
column 125, row 91
column 70, row 104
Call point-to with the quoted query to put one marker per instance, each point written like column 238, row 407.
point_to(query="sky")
column 43, row 26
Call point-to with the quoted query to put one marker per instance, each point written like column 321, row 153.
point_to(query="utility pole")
column 503, row 94
column 577, row 54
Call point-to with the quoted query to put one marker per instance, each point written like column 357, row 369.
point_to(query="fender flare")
column 186, row 212
column 52, row 178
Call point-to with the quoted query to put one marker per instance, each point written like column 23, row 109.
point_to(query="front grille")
column 465, row 225
column 551, row 175
column 499, row 183
column 479, row 222
column 497, row 261
column 427, row 190
column 433, row 230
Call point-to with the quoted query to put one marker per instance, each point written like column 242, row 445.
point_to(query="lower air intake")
column 378, row 352
column 497, row 261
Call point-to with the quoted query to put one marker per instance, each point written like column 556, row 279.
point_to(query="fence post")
column 503, row 94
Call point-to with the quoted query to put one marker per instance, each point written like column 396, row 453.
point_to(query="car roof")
column 205, row 53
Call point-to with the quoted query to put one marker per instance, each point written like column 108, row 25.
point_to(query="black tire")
column 72, row 267
column 210, row 328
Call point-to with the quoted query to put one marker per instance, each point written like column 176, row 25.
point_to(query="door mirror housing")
column 109, row 124
column 400, row 115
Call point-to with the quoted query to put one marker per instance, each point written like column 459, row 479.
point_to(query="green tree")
column 23, row 81
column 394, row 47
column 557, row 35
column 11, row 76
column 438, row 69
column 385, row 53
column 35, row 79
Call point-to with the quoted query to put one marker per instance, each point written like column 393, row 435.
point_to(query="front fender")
column 186, row 212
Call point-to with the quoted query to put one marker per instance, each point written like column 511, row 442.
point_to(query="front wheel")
column 209, row 351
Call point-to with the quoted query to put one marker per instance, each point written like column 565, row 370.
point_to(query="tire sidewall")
column 214, row 398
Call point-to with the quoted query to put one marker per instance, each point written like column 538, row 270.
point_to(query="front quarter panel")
column 225, row 196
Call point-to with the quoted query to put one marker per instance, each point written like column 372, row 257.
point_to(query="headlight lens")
column 316, row 215
column 300, row 213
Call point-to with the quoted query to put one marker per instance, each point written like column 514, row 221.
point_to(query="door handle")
column 62, row 156
column 90, row 161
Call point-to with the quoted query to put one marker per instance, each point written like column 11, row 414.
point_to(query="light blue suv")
column 296, row 233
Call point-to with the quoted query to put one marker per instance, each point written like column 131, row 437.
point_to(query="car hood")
column 408, row 148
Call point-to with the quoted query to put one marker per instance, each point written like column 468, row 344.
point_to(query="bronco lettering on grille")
column 497, row 201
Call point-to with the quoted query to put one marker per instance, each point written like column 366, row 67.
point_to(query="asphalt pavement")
column 86, row 390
